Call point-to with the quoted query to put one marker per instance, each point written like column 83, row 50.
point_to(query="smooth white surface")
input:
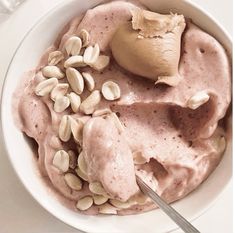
column 19, row 212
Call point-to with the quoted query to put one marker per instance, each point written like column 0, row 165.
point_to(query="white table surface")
column 19, row 212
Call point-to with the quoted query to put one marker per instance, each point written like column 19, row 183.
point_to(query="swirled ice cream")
column 98, row 125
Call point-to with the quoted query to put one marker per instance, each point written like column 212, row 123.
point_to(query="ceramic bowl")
column 21, row 155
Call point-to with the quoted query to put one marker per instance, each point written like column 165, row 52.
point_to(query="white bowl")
column 21, row 156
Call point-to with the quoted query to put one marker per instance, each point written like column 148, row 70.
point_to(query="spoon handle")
column 172, row 213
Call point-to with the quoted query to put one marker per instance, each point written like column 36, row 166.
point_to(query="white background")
column 19, row 212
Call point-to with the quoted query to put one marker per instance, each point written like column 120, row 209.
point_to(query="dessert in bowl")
column 99, row 117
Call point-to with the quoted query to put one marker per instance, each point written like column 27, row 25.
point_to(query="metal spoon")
column 172, row 213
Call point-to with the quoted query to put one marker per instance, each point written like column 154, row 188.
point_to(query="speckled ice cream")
column 180, row 146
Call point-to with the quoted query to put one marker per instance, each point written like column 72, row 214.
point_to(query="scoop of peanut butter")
column 149, row 45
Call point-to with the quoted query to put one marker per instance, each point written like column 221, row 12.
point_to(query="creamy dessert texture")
column 123, row 92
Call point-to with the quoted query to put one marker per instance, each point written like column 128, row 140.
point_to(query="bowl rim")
column 59, row 5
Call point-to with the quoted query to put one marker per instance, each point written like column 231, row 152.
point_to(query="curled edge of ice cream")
column 150, row 45
column 109, row 158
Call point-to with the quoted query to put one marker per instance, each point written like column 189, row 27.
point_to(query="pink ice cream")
column 109, row 158
column 180, row 146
